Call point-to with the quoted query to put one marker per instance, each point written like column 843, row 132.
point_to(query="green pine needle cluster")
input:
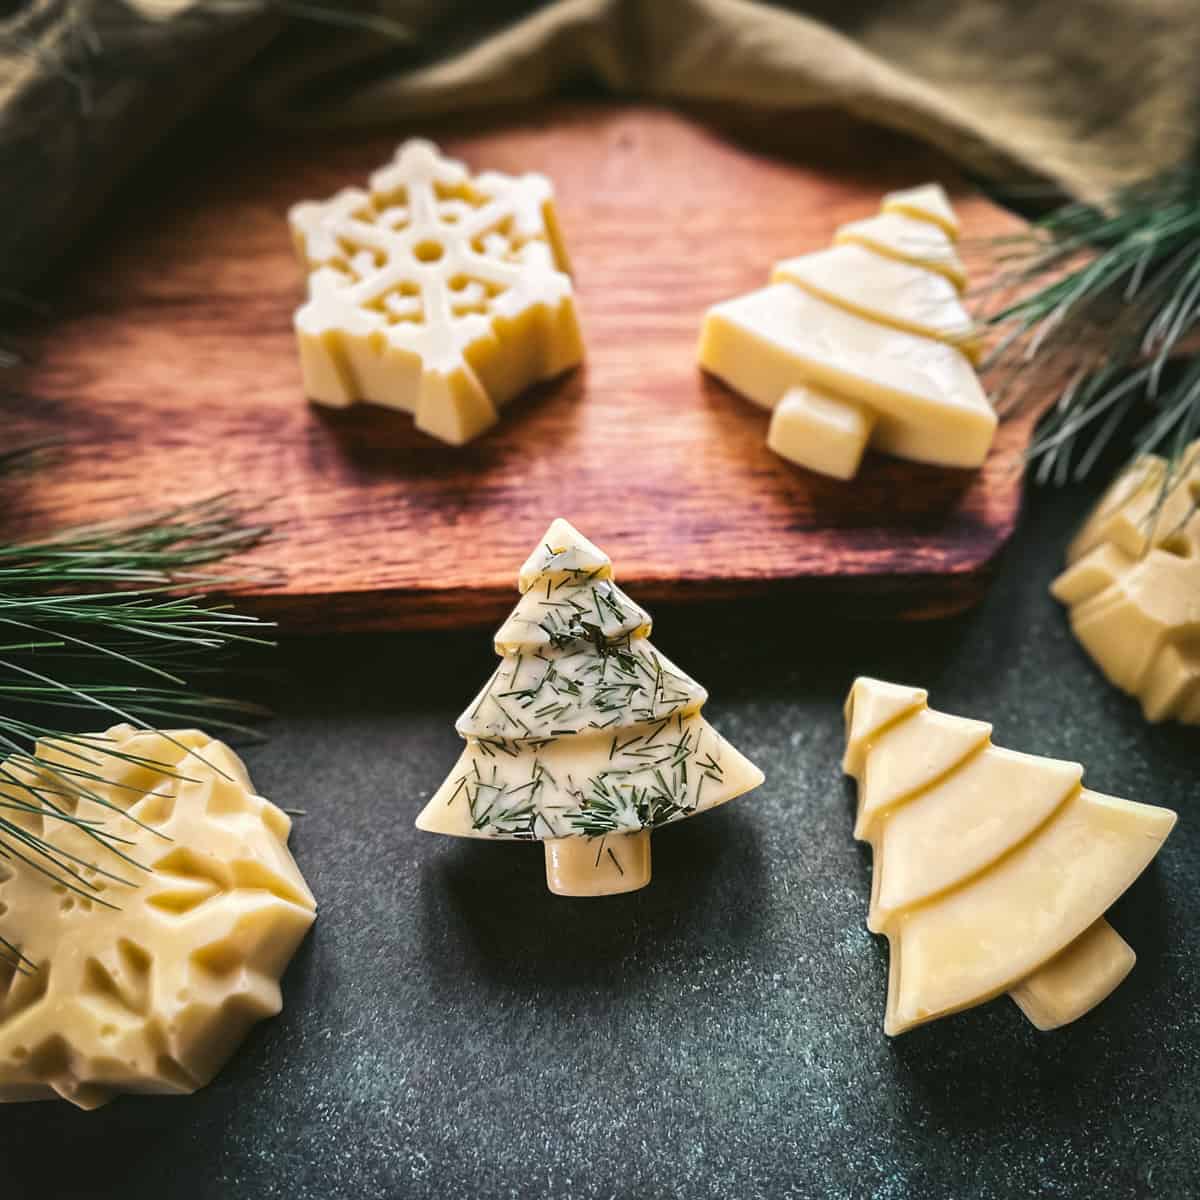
column 98, row 625
column 1101, row 304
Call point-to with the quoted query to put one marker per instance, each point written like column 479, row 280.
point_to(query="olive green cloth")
column 1081, row 93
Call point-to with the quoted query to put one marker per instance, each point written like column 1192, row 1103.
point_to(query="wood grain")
column 169, row 363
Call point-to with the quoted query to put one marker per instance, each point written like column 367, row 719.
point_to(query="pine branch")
column 1100, row 305
column 99, row 624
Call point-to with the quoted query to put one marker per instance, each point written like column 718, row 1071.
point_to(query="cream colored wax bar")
column 145, row 988
column 1133, row 586
column 434, row 291
column 925, row 398
column 992, row 869
column 865, row 343
column 585, row 738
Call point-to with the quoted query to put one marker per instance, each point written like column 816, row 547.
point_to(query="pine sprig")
column 1096, row 303
column 99, row 624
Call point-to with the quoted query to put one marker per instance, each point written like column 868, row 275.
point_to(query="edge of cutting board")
column 169, row 363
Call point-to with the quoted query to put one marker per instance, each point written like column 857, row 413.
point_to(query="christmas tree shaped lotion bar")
column 993, row 870
column 863, row 343
column 586, row 737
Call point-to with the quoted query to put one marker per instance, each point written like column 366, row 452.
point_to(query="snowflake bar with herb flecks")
column 584, row 729
column 434, row 292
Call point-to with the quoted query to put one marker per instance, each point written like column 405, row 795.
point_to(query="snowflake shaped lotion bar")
column 434, row 291
column 146, row 985
column 1133, row 586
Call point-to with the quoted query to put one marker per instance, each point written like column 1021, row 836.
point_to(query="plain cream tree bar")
column 143, row 981
column 1133, row 586
column 992, row 870
column 434, row 291
column 586, row 738
column 864, row 343
column 924, row 399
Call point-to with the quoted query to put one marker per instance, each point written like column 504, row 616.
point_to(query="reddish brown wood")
column 170, row 365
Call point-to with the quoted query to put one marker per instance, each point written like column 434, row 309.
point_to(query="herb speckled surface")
column 451, row 1029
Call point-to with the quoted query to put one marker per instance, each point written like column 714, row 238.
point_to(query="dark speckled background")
column 453, row 1030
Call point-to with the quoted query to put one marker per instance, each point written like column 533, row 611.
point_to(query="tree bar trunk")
column 607, row 866
column 1076, row 979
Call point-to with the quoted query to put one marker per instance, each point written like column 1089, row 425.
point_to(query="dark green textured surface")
column 452, row 1030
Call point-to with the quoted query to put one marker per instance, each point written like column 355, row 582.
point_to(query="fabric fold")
column 1082, row 97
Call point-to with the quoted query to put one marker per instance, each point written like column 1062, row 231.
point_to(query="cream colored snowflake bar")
column 434, row 291
column 992, row 869
column 585, row 737
column 1133, row 586
column 145, row 988
column 865, row 343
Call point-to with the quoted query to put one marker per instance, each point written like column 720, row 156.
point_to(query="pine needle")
column 104, row 623
column 1097, row 304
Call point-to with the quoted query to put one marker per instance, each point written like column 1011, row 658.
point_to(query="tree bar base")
column 607, row 866
column 1075, row 980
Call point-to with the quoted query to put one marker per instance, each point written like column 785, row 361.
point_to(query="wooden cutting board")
column 169, row 363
